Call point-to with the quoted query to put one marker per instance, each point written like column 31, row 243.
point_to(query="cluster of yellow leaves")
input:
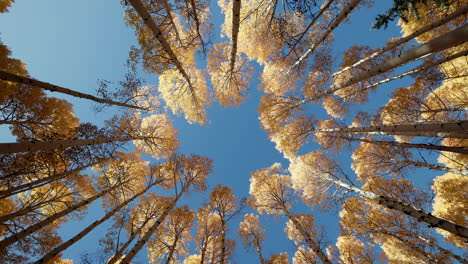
column 450, row 202
column 270, row 190
column 181, row 97
column 162, row 136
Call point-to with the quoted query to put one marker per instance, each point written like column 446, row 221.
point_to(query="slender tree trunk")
column 19, row 123
column 6, row 76
column 462, row 150
column 203, row 253
column 338, row 19
column 120, row 252
column 222, row 257
column 312, row 244
column 54, row 252
column 444, row 130
column 36, row 227
column 29, row 209
column 443, row 250
column 197, row 22
column 418, row 69
column 258, row 248
column 41, row 182
column 407, row 209
column 236, row 5
column 17, row 147
column 446, row 41
column 428, row 256
column 171, row 19
column 461, row 11
column 316, row 17
column 434, row 167
column 142, row 241
column 143, row 13
column 172, row 250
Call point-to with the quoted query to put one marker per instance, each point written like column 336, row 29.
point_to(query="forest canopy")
column 368, row 141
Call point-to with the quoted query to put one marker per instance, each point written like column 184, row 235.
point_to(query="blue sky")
column 75, row 43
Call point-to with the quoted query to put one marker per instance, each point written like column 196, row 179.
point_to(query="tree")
column 53, row 253
column 224, row 204
column 271, row 193
column 11, row 77
column 182, row 173
column 315, row 173
column 152, row 134
column 183, row 88
column 170, row 244
column 252, row 234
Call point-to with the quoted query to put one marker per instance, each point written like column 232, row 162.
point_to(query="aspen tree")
column 208, row 230
column 152, row 134
column 172, row 237
column 11, row 77
column 225, row 205
column 46, row 258
column 144, row 213
column 271, row 193
column 252, row 234
column 315, row 173
column 182, row 174
column 448, row 202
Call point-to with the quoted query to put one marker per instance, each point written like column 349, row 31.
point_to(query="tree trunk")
column 407, row 209
column 434, row 167
column 17, row 147
column 463, row 10
column 444, row 251
column 172, row 250
column 141, row 10
column 222, row 257
column 312, row 244
column 6, row 76
column 36, row 227
column 29, row 209
column 338, row 19
column 316, row 17
column 19, row 123
column 142, row 241
column 446, row 41
column 120, row 252
column 258, row 248
column 236, row 5
column 41, row 182
column 171, row 19
column 54, row 252
column 443, row 130
column 418, row 69
column 462, row 150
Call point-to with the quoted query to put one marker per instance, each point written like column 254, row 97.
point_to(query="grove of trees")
column 347, row 152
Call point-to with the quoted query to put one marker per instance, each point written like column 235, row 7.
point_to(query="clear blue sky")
column 75, row 43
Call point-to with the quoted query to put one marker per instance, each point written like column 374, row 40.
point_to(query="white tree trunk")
column 337, row 21
column 407, row 209
column 446, row 41
column 142, row 241
column 312, row 245
column 6, row 76
column 145, row 15
column 41, row 182
column 9, row 148
column 236, row 6
column 462, row 150
column 444, row 130
column 461, row 11
column 36, row 227
column 418, row 69
column 54, row 252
